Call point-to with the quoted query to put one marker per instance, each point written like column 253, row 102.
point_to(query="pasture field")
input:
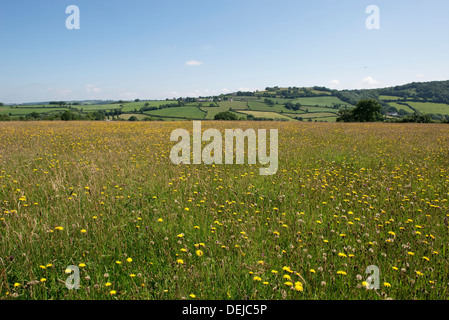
column 224, row 106
column 401, row 106
column 179, row 112
column 430, row 107
column 277, row 108
column 105, row 197
column 267, row 115
column 320, row 101
column 28, row 110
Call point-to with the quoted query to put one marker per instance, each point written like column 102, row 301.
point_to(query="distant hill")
column 273, row 103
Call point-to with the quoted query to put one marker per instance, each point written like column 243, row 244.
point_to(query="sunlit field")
column 104, row 196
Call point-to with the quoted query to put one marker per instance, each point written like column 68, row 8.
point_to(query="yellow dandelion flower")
column 298, row 286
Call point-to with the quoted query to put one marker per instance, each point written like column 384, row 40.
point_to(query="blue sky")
column 163, row 49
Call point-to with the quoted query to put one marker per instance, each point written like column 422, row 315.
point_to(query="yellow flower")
column 43, row 280
column 274, row 271
column 410, row 253
column 287, row 269
column 180, row 261
column 112, row 292
column 199, row 253
column 82, row 265
column 181, row 235
column 425, row 258
column 341, row 272
column 286, row 277
column 132, row 275
column 118, row 262
column 192, row 296
column 108, row 284
column 386, row 284
column 16, row 284
column 288, row 283
column 160, row 220
column 312, row 271
column 341, row 254
column 298, row 286
column 59, row 228
column 129, row 260
column 256, row 278
column 83, row 231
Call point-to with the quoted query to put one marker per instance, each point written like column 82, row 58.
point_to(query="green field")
column 223, row 107
column 320, row 101
column 400, row 106
column 389, row 97
column 179, row 112
column 428, row 107
column 268, row 115
column 24, row 111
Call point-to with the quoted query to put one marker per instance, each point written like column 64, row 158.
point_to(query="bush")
column 225, row 116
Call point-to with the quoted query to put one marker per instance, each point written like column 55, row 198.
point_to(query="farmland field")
column 223, row 107
column 179, row 112
column 104, row 196
column 401, row 106
column 320, row 101
column 268, row 115
column 428, row 107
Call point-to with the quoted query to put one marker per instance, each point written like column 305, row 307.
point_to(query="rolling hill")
column 273, row 103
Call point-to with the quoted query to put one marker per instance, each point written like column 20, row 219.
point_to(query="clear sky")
column 162, row 49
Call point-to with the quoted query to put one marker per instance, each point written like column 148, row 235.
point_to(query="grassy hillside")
column 317, row 103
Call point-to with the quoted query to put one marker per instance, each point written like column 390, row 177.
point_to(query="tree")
column 133, row 118
column 368, row 110
column 225, row 116
column 67, row 116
